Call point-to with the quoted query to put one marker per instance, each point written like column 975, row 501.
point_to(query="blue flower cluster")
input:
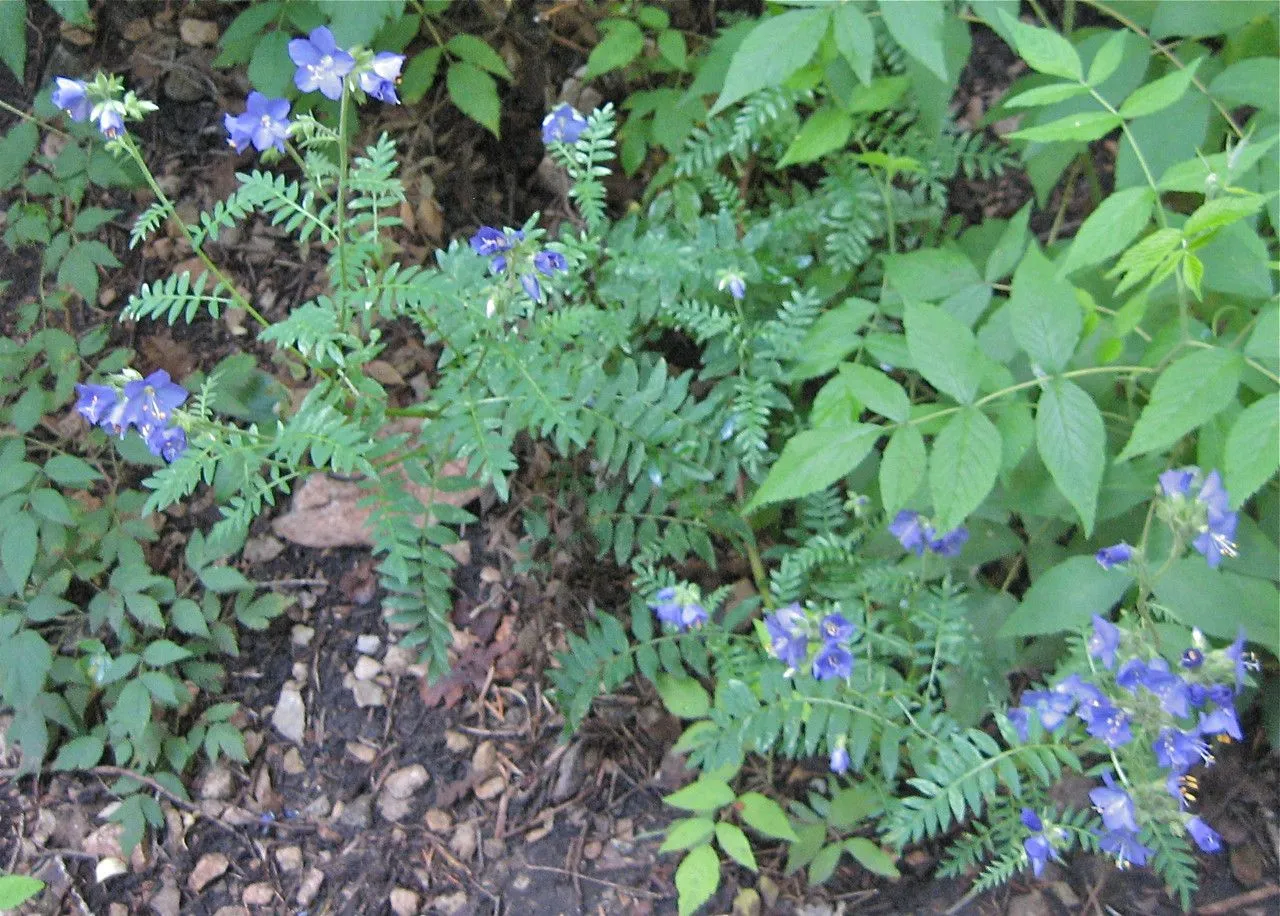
column 563, row 125
column 792, row 631
column 1197, row 508
column 72, row 96
column 498, row 244
column 264, row 123
column 679, row 606
column 1174, row 713
column 915, row 533
column 144, row 404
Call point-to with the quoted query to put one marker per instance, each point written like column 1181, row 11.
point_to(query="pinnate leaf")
column 1188, row 394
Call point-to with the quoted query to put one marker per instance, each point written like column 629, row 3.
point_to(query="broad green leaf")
column 1221, row 211
column 1043, row 49
column 872, row 857
column 80, row 753
column 825, row 131
column 1087, row 126
column 18, row 548
column 164, row 652
column 943, row 350
column 672, row 47
column 877, row 391
column 963, row 466
column 836, row 404
column 13, row 37
column 766, row 816
column 620, row 46
column 1045, row 316
column 902, row 468
column 686, row 832
column 917, row 27
column 851, row 806
column 475, row 93
column 1188, row 394
column 1249, row 82
column 419, row 74
column 242, row 35
column 1107, row 60
column 1045, row 95
column 1253, row 448
column 735, row 844
column 1149, row 255
column 815, row 459
column 270, row 68
column 18, row 144
column 929, row 274
column 25, row 659
column 1160, row 94
column 880, row 95
column 1008, row 250
column 70, row 471
column 824, row 863
column 132, row 710
column 16, row 890
column 776, row 48
column 1066, row 597
column 683, row 696
column 477, row 51
column 1109, row 229
column 224, row 579
column 705, row 794
column 187, row 617
column 697, row 878
column 832, row 337
column 1072, row 443
column 855, row 39
column 1220, row 602
column 1264, row 342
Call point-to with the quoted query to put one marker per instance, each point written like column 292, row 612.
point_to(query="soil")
column 465, row 797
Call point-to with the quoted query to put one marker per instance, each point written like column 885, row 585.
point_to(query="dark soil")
column 506, row 816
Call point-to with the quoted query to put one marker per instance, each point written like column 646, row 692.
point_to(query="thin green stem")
column 344, row 162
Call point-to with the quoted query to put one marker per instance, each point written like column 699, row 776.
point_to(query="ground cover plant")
column 958, row 462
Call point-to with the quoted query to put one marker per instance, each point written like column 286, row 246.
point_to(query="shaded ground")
column 392, row 797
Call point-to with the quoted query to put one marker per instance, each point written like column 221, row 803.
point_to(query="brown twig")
column 1240, row 901
column 634, row 891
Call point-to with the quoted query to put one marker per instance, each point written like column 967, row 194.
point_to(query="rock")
column 356, row 813
column 289, row 858
column 406, row 780
column 403, row 902
column 168, row 900
column 456, row 742
column 318, row 808
column 258, row 894
column 230, row 911
column 367, row 694
column 394, row 809
column 292, row 762
column 362, row 752
column 1033, row 904
column 484, row 760
column 199, row 33
column 117, row 909
column 290, row 714
column 216, row 784
column 464, row 841
column 397, row 660
column 368, row 643
column 302, row 635
column 491, row 788
column 108, row 868
column 208, row 869
column 310, row 886
column 438, row 820
column 448, row 904
column 136, row 29
column 366, row 668
column 184, row 84
column 495, row 848
column 262, row 549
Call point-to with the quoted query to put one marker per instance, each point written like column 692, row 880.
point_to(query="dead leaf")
column 161, row 351
column 360, row 583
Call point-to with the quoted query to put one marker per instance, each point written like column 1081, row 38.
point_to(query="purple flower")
column 950, row 543
column 1020, row 719
column 1051, row 706
column 548, row 262
column 321, row 63
column 264, row 123
column 833, row 661
column 563, row 125
column 1192, row 659
column 95, row 401
column 693, row 615
column 1177, row 482
column 69, row 95
column 1215, row 539
column 1125, row 846
column 1172, row 691
column 1219, row 694
column 379, row 81
column 788, row 641
column 1110, row 725
column 1213, row 496
column 1222, row 721
column 907, row 528
column 1130, row 674
column 167, row 442
column 839, row 759
column 736, row 286
column 1205, row 836
column 531, row 286
column 1182, row 787
column 1037, row 846
column 153, row 398
column 1114, row 555
column 1115, row 806
column 835, row 628
column 110, row 122
column 1178, row 750
column 1243, row 660
column 1104, row 641
column 490, row 241
column 670, row 607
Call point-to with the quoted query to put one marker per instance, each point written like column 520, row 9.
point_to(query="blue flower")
column 531, row 286
column 264, row 123
column 379, row 81
column 1104, row 641
column 1222, row 721
column 1182, row 787
column 1051, row 706
column 839, row 759
column 835, row 628
column 666, row 606
column 833, row 661
column 1205, row 836
column 1114, row 555
column 69, row 95
column 1020, row 719
column 910, row 532
column 788, row 640
column 1192, row 659
column 563, row 125
column 110, row 121
column 153, row 398
column 1177, row 482
column 1243, row 660
column 1130, row 674
column 1125, row 846
column 95, row 401
column 489, row 241
column 1215, row 539
column 734, row 283
column 950, row 543
column 673, row 606
column 1172, row 691
column 548, row 262
column 167, row 442
column 1037, row 846
column 321, row 63
column 1115, row 805
column 1110, row 725
column 1178, row 750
